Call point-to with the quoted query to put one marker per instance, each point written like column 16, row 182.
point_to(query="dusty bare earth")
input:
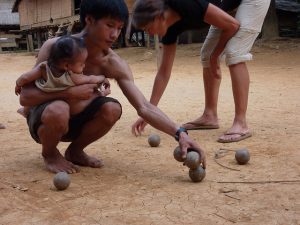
column 144, row 185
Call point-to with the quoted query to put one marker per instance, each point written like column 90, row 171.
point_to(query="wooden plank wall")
column 38, row 11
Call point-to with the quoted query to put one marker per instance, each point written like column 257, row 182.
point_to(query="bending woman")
column 233, row 37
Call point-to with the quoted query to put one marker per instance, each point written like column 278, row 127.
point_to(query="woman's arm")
column 160, row 84
column 229, row 27
column 163, row 73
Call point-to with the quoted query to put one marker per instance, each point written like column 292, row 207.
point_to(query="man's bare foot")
column 22, row 112
column 83, row 159
column 57, row 163
column 203, row 122
column 2, row 126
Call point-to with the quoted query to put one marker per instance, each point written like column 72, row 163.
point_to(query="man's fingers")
column 184, row 152
column 203, row 159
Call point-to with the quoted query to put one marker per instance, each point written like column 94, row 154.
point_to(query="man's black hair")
column 98, row 9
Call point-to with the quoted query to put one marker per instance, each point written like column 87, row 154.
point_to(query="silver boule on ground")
column 154, row 140
column 242, row 156
column 61, row 181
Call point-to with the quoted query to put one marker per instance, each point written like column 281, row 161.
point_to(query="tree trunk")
column 270, row 27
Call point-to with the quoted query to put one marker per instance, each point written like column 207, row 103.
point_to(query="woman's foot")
column 203, row 122
column 236, row 133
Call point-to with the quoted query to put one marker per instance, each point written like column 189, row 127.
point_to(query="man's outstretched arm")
column 118, row 69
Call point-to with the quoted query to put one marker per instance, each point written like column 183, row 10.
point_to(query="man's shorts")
column 76, row 122
column 251, row 15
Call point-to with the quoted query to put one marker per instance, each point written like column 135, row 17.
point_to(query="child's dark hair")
column 98, row 9
column 65, row 48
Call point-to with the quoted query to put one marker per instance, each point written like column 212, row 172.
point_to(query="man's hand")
column 185, row 142
column 138, row 127
column 81, row 92
column 104, row 88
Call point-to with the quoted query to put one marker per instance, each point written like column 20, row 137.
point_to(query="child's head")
column 68, row 53
column 148, row 15
column 103, row 21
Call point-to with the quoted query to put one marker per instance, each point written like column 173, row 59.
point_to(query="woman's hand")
column 138, row 127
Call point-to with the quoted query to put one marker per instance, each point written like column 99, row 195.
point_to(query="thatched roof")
column 288, row 5
column 6, row 15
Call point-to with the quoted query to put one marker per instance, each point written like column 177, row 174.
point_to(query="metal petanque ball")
column 242, row 156
column 154, row 140
column 192, row 160
column 61, row 181
column 177, row 154
column 198, row 174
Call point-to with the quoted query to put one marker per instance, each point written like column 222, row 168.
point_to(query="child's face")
column 78, row 63
column 104, row 32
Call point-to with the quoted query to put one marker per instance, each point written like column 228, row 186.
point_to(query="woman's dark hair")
column 65, row 48
column 98, row 9
column 145, row 11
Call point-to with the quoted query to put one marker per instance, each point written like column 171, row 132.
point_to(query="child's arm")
column 79, row 79
column 27, row 78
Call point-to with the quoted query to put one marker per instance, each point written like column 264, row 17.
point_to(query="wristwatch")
column 181, row 129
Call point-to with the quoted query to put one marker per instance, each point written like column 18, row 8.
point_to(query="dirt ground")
column 144, row 185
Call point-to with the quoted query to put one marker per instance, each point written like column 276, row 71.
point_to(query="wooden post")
column 156, row 42
column 29, row 43
column 39, row 40
column 128, row 32
column 148, row 41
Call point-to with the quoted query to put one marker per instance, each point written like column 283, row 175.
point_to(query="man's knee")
column 57, row 115
column 111, row 112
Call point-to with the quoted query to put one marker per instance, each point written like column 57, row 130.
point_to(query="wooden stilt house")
column 43, row 19
column 9, row 27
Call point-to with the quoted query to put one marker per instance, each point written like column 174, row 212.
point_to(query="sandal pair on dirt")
column 238, row 136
